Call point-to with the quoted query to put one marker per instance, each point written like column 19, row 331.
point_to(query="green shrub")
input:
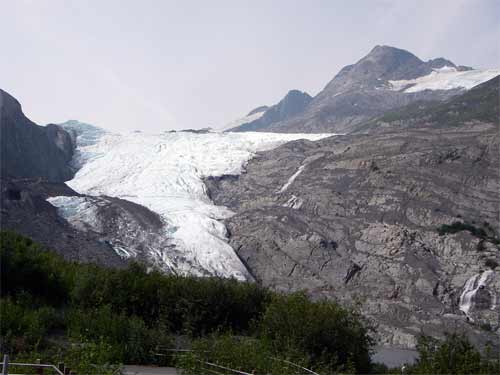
column 454, row 355
column 23, row 328
column 325, row 332
column 458, row 226
column 240, row 353
column 27, row 268
column 134, row 342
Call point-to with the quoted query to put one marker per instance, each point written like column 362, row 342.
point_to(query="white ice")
column 80, row 212
column 445, row 78
column 164, row 172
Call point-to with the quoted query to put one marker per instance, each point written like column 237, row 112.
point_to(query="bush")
column 133, row 341
column 23, row 328
column 455, row 355
column 26, row 268
column 240, row 353
column 458, row 226
column 491, row 263
column 328, row 334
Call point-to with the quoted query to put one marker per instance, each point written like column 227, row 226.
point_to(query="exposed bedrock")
column 359, row 224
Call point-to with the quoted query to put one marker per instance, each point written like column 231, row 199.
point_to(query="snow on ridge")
column 243, row 120
column 445, row 78
column 164, row 173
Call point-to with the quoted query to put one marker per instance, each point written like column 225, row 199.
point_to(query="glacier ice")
column 446, row 78
column 164, row 172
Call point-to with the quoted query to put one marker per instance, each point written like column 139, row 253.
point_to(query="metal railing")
column 60, row 369
column 213, row 367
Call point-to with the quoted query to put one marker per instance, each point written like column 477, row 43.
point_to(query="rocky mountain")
column 402, row 223
column 29, row 150
column 292, row 104
column 385, row 79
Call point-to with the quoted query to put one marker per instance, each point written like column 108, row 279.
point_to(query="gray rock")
column 365, row 233
column 292, row 104
column 29, row 150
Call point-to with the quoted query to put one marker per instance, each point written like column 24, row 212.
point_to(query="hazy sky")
column 158, row 64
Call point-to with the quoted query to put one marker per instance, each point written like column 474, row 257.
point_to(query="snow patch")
column 294, row 202
column 291, row 179
column 445, row 78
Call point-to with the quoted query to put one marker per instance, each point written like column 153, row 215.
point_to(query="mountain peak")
column 385, row 49
column 297, row 94
column 387, row 60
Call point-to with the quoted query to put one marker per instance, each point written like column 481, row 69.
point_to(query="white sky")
column 159, row 64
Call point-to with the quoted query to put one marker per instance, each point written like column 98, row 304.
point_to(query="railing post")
column 39, row 370
column 5, row 367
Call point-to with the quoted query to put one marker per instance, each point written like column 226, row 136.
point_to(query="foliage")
column 458, row 226
column 325, row 332
column 92, row 358
column 455, row 355
column 130, row 337
column 26, row 268
column 246, row 354
column 485, row 233
column 23, row 328
column 110, row 316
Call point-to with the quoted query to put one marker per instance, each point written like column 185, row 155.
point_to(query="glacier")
column 164, row 172
column 445, row 78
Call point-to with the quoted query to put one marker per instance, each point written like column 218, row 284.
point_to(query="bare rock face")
column 26, row 211
column 29, row 150
column 291, row 105
column 359, row 219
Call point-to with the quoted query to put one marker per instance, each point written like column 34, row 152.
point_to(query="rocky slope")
column 385, row 79
column 29, row 150
column 359, row 218
column 35, row 162
column 292, row 104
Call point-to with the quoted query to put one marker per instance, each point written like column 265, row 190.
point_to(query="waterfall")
column 471, row 287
